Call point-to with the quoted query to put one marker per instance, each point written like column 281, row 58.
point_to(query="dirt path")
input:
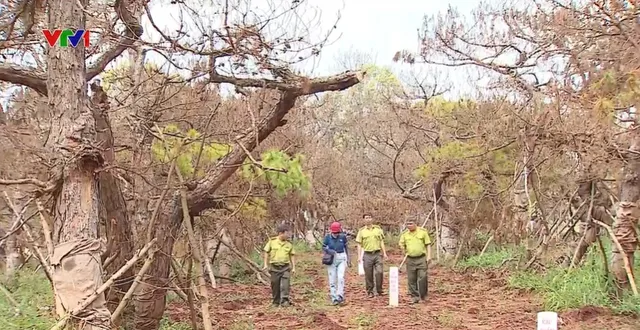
column 457, row 301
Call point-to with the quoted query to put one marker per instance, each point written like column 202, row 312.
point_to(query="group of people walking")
column 279, row 259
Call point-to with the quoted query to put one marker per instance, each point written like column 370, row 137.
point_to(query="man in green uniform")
column 416, row 244
column 279, row 259
column 370, row 241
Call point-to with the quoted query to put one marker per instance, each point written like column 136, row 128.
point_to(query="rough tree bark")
column 151, row 302
column 598, row 209
column 76, row 256
column 13, row 257
column 449, row 235
column 77, row 157
column 311, row 220
column 627, row 214
column 115, row 216
column 220, row 253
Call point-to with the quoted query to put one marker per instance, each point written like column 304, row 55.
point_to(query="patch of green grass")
column 240, row 271
column 481, row 236
column 33, row 293
column 491, row 259
column 243, row 324
column 363, row 321
column 301, row 246
column 563, row 288
column 167, row 324
column 391, row 242
column 449, row 320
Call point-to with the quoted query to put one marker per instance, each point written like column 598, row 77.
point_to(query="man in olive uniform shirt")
column 416, row 244
column 279, row 259
column 370, row 241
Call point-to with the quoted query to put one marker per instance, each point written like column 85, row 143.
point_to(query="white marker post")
column 547, row 321
column 393, row 286
column 360, row 268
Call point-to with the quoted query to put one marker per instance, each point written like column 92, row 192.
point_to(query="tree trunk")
column 448, row 235
column 13, row 256
column 449, row 238
column 150, row 308
column 151, row 303
column 311, row 234
column 3, row 254
column 115, row 217
column 77, row 271
column 627, row 215
column 596, row 210
column 220, row 254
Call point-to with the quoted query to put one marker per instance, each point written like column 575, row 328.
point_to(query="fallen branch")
column 571, row 223
column 207, row 264
column 435, row 211
column 6, row 292
column 257, row 269
column 110, row 260
column 605, row 263
column 175, row 288
column 30, row 239
column 627, row 264
column 180, row 274
column 19, row 221
column 192, row 292
column 115, row 317
column 533, row 259
column 63, row 321
column 156, row 209
column 38, row 253
column 197, row 254
column 46, row 228
column 26, row 261
column 486, row 245
column 31, row 181
column 574, row 260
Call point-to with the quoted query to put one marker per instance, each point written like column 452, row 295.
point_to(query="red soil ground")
column 457, row 301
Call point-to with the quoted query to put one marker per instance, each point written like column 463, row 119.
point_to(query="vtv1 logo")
column 66, row 37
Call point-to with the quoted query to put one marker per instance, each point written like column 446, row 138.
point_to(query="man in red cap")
column 336, row 257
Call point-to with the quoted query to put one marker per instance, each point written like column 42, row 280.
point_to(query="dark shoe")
column 335, row 302
column 370, row 294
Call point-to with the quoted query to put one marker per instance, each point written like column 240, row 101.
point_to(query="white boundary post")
column 393, row 286
column 547, row 321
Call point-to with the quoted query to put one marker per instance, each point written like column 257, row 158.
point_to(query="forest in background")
column 134, row 178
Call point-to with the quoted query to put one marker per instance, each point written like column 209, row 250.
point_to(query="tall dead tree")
column 588, row 104
column 626, row 220
column 76, row 155
column 151, row 296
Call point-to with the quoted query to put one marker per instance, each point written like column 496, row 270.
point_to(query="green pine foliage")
column 282, row 172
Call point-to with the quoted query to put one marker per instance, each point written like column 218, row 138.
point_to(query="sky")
column 377, row 28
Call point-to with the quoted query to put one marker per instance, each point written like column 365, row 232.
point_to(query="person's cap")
column 335, row 227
